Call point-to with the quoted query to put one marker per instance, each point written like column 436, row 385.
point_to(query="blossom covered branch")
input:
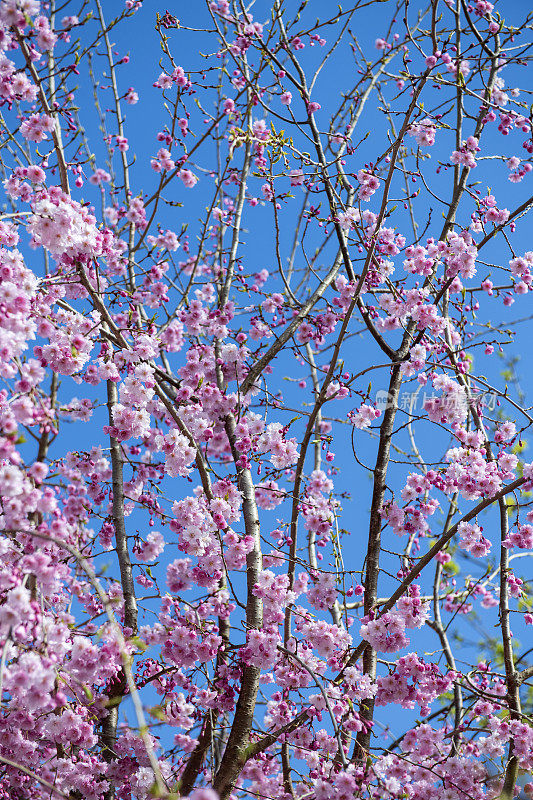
column 230, row 564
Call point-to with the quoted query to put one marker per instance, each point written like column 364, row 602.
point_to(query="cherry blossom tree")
column 265, row 496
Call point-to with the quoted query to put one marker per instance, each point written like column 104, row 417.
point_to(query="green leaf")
column 87, row 692
column 114, row 702
column 158, row 712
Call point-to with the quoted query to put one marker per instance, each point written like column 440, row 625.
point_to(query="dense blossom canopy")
column 264, row 500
